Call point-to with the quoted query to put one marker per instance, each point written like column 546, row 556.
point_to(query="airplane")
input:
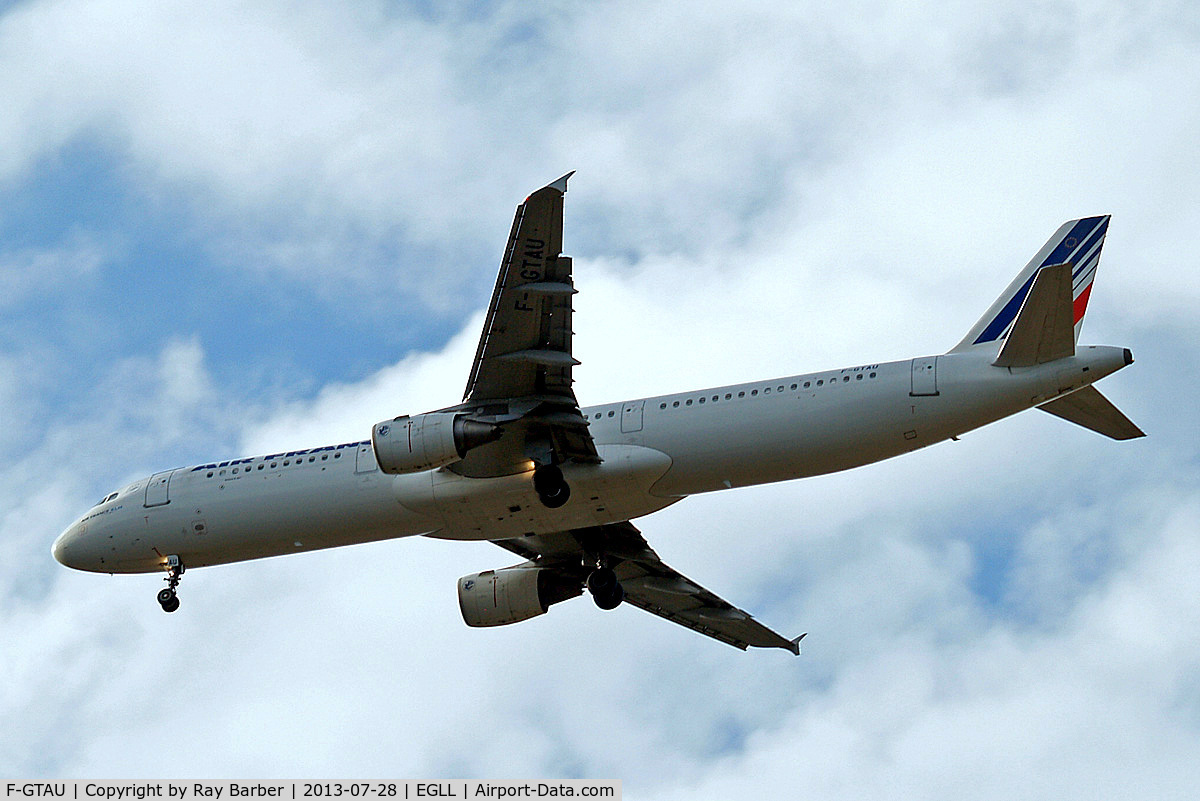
column 521, row 464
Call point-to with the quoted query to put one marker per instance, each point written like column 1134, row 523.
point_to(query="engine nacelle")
column 510, row 595
column 412, row 444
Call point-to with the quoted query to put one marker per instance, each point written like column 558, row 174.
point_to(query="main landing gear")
column 606, row 591
column 552, row 489
column 167, row 598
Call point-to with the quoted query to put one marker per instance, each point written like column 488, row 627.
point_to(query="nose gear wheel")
column 167, row 598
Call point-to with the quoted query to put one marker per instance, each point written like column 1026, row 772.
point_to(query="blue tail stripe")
column 1082, row 266
column 1088, row 266
column 1096, row 236
column 1062, row 252
column 1089, row 229
column 1000, row 321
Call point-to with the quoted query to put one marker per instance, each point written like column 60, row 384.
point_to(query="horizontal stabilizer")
column 1088, row 408
column 1044, row 329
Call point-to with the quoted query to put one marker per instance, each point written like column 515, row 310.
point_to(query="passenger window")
column 754, row 392
column 662, row 405
column 767, row 391
column 872, row 375
column 689, row 401
column 675, row 405
column 820, row 382
column 858, row 377
column 728, row 395
column 807, row 384
column 741, row 394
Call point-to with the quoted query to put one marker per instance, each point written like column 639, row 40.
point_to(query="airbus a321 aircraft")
column 519, row 463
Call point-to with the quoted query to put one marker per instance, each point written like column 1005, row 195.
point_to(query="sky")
column 228, row 228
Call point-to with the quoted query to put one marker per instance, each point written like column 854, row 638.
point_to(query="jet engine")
column 412, row 444
column 512, row 594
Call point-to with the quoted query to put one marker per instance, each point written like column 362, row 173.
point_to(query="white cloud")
column 333, row 144
column 28, row 273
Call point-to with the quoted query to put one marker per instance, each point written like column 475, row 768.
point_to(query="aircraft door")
column 158, row 489
column 924, row 376
column 631, row 417
column 365, row 461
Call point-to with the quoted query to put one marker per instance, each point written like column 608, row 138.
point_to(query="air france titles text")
column 274, row 456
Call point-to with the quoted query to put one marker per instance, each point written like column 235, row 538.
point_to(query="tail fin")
column 1077, row 243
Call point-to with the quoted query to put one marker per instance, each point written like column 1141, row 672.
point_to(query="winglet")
column 561, row 183
column 795, row 647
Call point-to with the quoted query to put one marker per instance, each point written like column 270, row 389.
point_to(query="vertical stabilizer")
column 1077, row 243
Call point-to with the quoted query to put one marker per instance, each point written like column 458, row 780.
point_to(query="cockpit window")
column 107, row 498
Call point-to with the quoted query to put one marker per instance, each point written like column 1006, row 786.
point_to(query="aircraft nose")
column 66, row 548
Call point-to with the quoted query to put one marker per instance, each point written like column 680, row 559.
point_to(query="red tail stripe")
column 1081, row 303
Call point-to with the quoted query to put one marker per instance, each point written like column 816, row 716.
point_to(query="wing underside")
column 649, row 583
column 521, row 377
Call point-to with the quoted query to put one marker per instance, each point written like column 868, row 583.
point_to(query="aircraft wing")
column 521, row 377
column 649, row 584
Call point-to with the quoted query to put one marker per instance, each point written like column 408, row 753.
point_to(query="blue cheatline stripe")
column 1082, row 230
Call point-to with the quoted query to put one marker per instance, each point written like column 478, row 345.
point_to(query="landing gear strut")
column 606, row 591
column 167, row 598
column 551, row 487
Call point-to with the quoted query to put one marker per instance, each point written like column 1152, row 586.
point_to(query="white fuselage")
column 654, row 452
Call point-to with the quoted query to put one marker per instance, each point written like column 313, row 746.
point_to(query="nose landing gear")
column 167, row 598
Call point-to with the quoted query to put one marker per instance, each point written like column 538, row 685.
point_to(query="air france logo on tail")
column 1077, row 242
